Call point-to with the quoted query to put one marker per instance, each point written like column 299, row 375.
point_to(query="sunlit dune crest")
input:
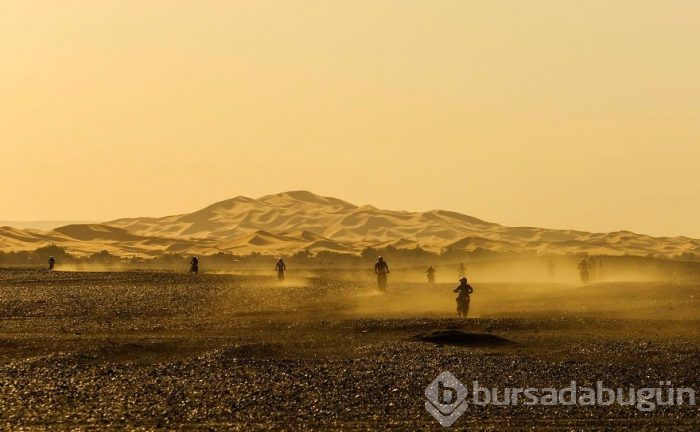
column 292, row 221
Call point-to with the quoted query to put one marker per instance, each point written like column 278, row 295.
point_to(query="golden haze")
column 545, row 113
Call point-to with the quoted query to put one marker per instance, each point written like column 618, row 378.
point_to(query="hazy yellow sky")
column 563, row 114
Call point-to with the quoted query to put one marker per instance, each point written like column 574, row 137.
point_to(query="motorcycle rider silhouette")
column 583, row 269
column 464, row 297
column 381, row 269
column 430, row 272
column 280, row 268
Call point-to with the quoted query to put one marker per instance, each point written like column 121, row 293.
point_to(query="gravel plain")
column 148, row 350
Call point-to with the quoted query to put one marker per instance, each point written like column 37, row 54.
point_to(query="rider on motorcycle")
column 583, row 269
column 551, row 269
column 194, row 265
column 431, row 274
column 381, row 269
column 463, row 299
column 280, row 267
column 462, row 270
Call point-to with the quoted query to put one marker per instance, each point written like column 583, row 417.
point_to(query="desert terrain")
column 294, row 221
column 164, row 350
column 201, row 203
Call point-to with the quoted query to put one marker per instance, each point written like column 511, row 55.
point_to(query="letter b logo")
column 446, row 395
column 446, row 399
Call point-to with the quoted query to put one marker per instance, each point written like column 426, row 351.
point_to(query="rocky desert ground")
column 150, row 350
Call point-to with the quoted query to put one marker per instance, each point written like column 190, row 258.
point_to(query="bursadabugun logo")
column 446, row 399
column 447, row 396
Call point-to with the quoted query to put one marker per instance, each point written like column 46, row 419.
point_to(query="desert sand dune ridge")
column 299, row 220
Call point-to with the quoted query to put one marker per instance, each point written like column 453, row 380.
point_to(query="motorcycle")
column 584, row 276
column 381, row 281
column 463, row 306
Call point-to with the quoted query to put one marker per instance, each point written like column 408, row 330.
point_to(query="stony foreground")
column 161, row 350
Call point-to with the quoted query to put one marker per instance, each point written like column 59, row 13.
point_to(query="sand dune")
column 299, row 220
column 95, row 232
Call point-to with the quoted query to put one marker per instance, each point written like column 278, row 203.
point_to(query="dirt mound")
column 459, row 337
